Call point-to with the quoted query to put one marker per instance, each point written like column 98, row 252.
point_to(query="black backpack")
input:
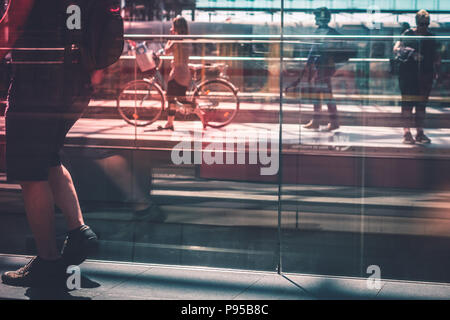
column 101, row 37
column 402, row 60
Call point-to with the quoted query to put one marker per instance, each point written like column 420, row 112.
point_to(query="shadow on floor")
column 60, row 292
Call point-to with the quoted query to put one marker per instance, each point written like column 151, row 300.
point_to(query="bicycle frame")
column 193, row 85
column 199, row 87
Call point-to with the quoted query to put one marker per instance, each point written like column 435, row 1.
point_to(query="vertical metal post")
column 280, row 139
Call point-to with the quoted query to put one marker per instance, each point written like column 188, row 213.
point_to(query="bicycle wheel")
column 219, row 101
column 140, row 102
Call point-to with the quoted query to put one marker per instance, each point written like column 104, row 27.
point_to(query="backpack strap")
column 73, row 40
column 73, row 37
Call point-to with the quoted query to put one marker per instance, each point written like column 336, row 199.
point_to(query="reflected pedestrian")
column 322, row 66
column 180, row 75
column 404, row 26
column 417, row 72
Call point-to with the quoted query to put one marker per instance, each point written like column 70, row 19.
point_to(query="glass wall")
column 359, row 190
column 288, row 153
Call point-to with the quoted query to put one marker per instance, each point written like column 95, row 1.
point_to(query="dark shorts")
column 416, row 87
column 35, row 134
column 174, row 90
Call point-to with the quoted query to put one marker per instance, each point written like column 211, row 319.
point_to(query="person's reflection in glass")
column 416, row 76
column 321, row 67
column 135, row 186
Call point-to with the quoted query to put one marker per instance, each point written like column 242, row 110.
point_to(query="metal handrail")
column 286, row 59
column 272, row 37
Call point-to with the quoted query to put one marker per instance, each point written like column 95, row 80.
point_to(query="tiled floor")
column 124, row 281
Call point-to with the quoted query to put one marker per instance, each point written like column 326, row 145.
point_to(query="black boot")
column 422, row 138
column 79, row 244
column 408, row 138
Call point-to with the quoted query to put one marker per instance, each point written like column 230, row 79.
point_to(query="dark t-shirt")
column 40, row 75
column 324, row 51
column 426, row 48
column 43, row 27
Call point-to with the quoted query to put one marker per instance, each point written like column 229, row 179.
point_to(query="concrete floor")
column 131, row 281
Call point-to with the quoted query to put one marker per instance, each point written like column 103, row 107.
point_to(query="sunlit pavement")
column 117, row 133
column 373, row 112
column 132, row 281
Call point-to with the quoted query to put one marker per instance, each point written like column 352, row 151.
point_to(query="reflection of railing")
column 214, row 58
column 252, row 76
column 215, row 37
column 275, row 39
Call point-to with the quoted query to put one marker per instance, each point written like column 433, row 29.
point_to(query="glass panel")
column 345, row 193
column 192, row 195
column 356, row 197
column 209, row 205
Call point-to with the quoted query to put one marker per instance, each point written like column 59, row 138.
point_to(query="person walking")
column 180, row 75
column 49, row 91
column 322, row 66
column 417, row 73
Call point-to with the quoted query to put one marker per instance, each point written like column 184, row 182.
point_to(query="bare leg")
column 39, row 206
column 170, row 120
column 170, row 117
column 118, row 169
column 420, row 116
column 201, row 115
column 406, row 115
column 171, row 114
column 65, row 196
